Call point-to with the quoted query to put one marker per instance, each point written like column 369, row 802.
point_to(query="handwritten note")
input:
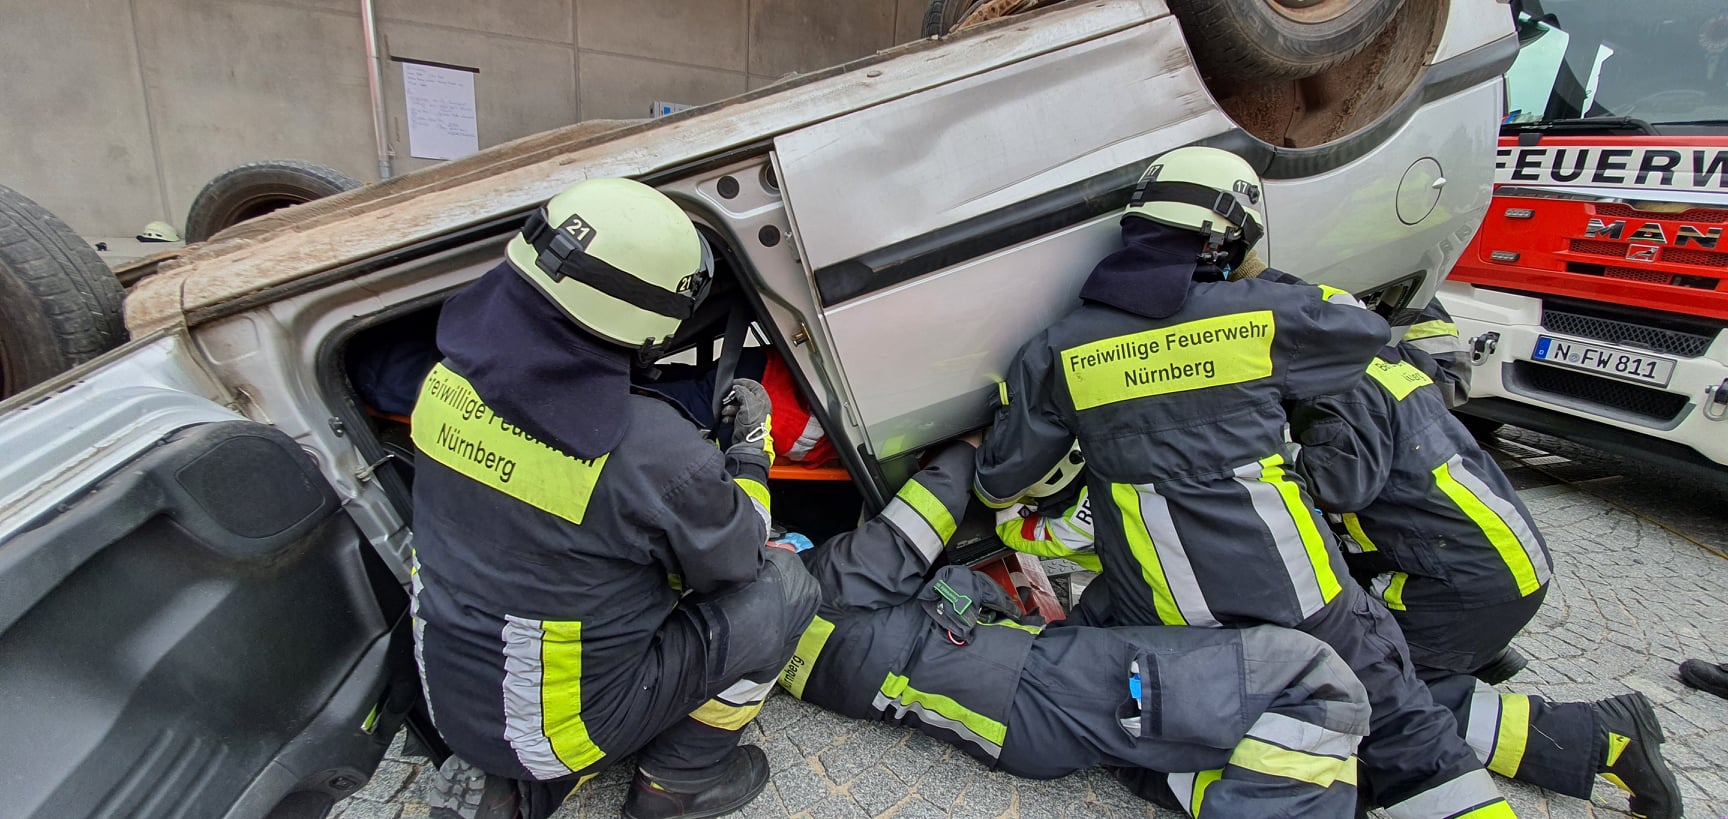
column 441, row 119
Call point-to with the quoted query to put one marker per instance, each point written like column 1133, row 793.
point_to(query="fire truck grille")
column 1599, row 248
column 1703, row 257
column 1672, row 342
column 1637, row 274
column 1649, row 404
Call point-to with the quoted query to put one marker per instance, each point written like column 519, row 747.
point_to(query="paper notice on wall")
column 441, row 120
column 661, row 108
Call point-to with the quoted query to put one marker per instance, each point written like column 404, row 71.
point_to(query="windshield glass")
column 1660, row 61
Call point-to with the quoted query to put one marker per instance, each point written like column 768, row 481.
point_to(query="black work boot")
column 462, row 791
column 1634, row 759
column 1503, row 667
column 1711, row 678
column 735, row 782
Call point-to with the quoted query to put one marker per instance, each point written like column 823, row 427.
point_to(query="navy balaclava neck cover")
column 1152, row 273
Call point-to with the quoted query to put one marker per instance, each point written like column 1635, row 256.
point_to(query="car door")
column 943, row 228
column 190, row 625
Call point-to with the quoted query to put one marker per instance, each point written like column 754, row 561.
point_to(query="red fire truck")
column 1595, row 295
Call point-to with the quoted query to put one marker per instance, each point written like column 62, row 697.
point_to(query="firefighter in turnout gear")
column 1435, row 530
column 1172, row 379
column 590, row 577
column 1259, row 721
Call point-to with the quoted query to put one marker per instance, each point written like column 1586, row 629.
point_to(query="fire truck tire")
column 59, row 304
column 1261, row 40
column 254, row 189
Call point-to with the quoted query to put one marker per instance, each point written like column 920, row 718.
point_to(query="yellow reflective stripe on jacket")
column 1400, row 379
column 796, row 674
column 1498, row 531
column 928, row 507
column 1127, row 499
column 543, row 697
column 1272, row 472
column 755, row 490
column 1353, row 525
column 1430, row 329
column 1195, row 355
column 1002, row 392
column 1272, row 760
column 1012, row 535
column 455, row 428
column 897, row 688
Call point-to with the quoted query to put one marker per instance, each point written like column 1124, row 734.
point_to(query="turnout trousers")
column 715, row 660
column 1412, row 760
column 1557, row 746
column 1263, row 721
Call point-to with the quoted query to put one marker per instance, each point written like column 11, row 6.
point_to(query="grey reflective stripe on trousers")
column 1185, row 591
column 1459, row 795
column 886, row 703
column 1270, row 508
column 1507, row 512
column 916, row 529
column 524, row 719
column 1182, row 785
column 1296, row 735
column 746, row 692
column 1482, row 731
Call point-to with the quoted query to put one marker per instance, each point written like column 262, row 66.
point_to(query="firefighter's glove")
column 747, row 408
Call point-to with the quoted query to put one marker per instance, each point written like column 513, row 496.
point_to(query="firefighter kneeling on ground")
column 1258, row 721
column 1172, row 381
column 1435, row 530
column 590, row 578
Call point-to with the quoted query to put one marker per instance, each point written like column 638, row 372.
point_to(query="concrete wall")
column 116, row 112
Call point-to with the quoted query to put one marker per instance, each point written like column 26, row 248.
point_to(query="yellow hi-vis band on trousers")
column 943, row 712
column 1272, row 760
column 1498, row 530
column 1513, row 735
column 1194, row 355
column 1190, row 788
column 1400, row 379
column 726, row 716
column 796, row 674
column 455, row 428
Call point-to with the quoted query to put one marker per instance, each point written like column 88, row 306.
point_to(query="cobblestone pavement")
column 1641, row 584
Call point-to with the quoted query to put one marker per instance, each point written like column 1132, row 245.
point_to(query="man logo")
column 1641, row 253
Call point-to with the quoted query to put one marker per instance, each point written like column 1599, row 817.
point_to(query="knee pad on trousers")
column 753, row 628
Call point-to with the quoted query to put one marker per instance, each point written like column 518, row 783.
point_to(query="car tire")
column 942, row 15
column 1278, row 39
column 59, row 303
column 254, row 189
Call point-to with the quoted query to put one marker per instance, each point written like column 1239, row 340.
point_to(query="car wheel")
column 943, row 15
column 59, row 304
column 1278, row 39
column 254, row 189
